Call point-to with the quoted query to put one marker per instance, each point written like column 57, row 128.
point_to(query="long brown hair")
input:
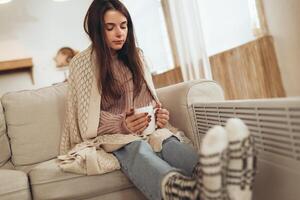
column 129, row 54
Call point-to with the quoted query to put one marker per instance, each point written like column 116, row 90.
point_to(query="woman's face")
column 115, row 29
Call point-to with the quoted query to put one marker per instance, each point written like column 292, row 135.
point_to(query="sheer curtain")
column 259, row 24
column 186, row 36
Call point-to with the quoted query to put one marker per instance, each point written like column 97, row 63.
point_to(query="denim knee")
column 171, row 139
column 140, row 146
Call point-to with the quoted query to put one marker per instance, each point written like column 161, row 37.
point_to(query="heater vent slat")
column 275, row 125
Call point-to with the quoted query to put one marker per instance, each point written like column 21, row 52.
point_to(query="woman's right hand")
column 137, row 123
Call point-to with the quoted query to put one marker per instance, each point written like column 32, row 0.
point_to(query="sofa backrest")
column 4, row 144
column 34, row 120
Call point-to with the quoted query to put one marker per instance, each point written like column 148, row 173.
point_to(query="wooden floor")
column 246, row 72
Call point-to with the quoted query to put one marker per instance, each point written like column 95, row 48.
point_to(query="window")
column 258, row 21
column 151, row 33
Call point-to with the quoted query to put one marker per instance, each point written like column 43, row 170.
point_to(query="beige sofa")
column 30, row 127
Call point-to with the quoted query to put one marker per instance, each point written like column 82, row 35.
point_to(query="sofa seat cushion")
column 14, row 185
column 48, row 181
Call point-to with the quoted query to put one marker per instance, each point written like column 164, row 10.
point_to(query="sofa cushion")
column 47, row 181
column 34, row 120
column 4, row 144
column 8, row 165
column 14, row 185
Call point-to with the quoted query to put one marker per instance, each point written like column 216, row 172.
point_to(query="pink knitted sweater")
column 112, row 114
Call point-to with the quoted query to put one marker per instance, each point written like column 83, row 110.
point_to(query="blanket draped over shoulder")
column 81, row 150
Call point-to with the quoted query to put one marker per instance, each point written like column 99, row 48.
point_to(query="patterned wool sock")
column 211, row 168
column 242, row 161
column 176, row 186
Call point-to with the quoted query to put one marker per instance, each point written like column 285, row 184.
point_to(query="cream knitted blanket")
column 82, row 151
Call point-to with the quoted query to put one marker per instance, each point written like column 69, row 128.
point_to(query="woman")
column 107, row 82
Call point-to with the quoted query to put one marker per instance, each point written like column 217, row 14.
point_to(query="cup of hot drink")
column 151, row 112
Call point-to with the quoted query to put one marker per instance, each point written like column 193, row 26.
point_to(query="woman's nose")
column 119, row 32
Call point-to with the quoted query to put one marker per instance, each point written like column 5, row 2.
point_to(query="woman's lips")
column 119, row 42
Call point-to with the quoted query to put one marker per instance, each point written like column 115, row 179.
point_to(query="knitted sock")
column 242, row 160
column 176, row 186
column 211, row 168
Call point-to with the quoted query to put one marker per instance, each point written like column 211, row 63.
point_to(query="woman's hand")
column 137, row 123
column 162, row 116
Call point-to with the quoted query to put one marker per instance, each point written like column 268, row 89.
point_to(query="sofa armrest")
column 178, row 99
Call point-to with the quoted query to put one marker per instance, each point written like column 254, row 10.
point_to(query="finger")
column 140, row 126
column 162, row 121
column 162, row 111
column 135, row 117
column 160, row 125
column 141, row 116
column 162, row 116
column 131, row 124
column 140, row 121
column 158, row 111
column 140, row 131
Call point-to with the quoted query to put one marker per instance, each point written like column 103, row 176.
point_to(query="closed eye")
column 109, row 27
column 124, row 25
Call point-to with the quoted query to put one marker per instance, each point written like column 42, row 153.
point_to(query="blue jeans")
column 146, row 168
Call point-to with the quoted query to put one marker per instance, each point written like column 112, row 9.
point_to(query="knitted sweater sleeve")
column 112, row 123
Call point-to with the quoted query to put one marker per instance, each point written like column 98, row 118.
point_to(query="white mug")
column 151, row 112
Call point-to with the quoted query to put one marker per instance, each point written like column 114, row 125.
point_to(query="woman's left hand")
column 162, row 116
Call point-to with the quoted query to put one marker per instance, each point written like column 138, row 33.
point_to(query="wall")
column 283, row 19
column 37, row 29
column 34, row 28
column 226, row 24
